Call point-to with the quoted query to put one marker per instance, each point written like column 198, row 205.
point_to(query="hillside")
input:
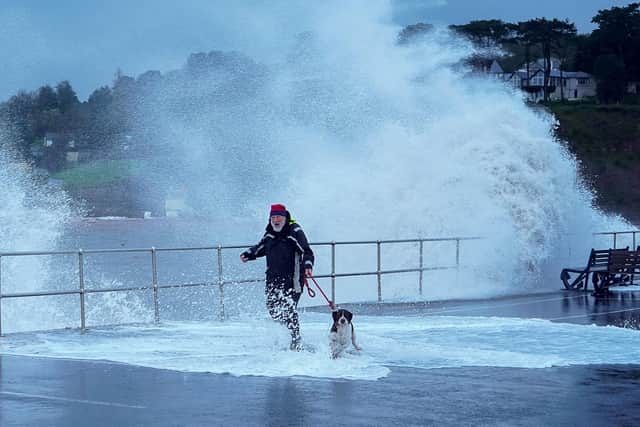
column 606, row 140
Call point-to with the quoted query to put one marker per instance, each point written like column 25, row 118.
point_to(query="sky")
column 458, row 12
column 87, row 41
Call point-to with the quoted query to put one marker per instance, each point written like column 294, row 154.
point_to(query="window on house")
column 583, row 81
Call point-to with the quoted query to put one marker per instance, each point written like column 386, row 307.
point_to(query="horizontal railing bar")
column 435, row 239
column 186, row 285
column 123, row 289
column 85, row 251
column 133, row 250
column 373, row 273
column 200, row 248
column 142, row 288
column 374, row 242
column 240, row 246
column 107, row 251
column 38, row 294
column 225, row 282
column 616, row 232
column 32, row 253
column 100, row 251
column 416, row 270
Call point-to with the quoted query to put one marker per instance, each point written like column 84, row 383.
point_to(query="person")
column 289, row 259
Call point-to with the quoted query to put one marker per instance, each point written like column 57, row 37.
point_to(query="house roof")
column 536, row 68
column 571, row 74
column 554, row 73
column 495, row 67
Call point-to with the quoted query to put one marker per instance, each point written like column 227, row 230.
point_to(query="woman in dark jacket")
column 289, row 259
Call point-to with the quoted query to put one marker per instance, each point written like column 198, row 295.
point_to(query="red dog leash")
column 312, row 293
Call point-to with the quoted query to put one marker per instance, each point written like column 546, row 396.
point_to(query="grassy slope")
column 606, row 139
column 116, row 187
column 100, row 173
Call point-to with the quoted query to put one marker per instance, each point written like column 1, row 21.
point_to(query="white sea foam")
column 259, row 346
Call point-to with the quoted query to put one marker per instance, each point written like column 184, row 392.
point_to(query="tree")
column 489, row 36
column 618, row 33
column 412, row 32
column 486, row 34
column 526, row 37
column 47, row 99
column 100, row 98
column 609, row 72
column 67, row 98
column 99, row 127
column 122, row 108
column 566, row 52
column 18, row 113
column 549, row 35
column 585, row 53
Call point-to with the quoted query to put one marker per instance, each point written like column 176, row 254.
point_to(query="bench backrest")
column 626, row 261
column 599, row 257
column 632, row 263
column 619, row 261
column 602, row 257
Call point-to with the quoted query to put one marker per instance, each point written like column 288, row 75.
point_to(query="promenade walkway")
column 37, row 391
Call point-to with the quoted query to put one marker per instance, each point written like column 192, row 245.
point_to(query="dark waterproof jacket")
column 288, row 254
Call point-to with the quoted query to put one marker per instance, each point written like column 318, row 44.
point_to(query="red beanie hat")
column 278, row 209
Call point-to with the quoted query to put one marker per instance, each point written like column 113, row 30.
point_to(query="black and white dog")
column 342, row 333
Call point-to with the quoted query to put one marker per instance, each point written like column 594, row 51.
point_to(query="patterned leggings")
column 281, row 303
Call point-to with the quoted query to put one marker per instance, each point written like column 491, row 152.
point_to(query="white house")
column 569, row 85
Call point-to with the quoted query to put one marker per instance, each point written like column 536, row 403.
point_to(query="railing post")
column 81, row 278
column 615, row 240
column 220, row 283
column 457, row 254
column 154, row 278
column 421, row 267
column 333, row 271
column 634, row 241
column 0, row 295
column 379, row 273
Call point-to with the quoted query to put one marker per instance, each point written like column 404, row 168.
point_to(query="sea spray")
column 364, row 138
column 32, row 218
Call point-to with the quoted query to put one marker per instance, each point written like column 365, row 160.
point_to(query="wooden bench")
column 606, row 268
column 621, row 271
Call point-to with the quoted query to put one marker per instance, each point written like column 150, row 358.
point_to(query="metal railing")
column 614, row 236
column 82, row 291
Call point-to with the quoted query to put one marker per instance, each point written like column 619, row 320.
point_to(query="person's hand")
column 244, row 257
column 308, row 271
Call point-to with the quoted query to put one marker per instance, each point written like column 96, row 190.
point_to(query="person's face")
column 277, row 222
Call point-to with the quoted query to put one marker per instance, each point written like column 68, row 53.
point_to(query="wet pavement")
column 52, row 392
column 618, row 308
column 56, row 392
